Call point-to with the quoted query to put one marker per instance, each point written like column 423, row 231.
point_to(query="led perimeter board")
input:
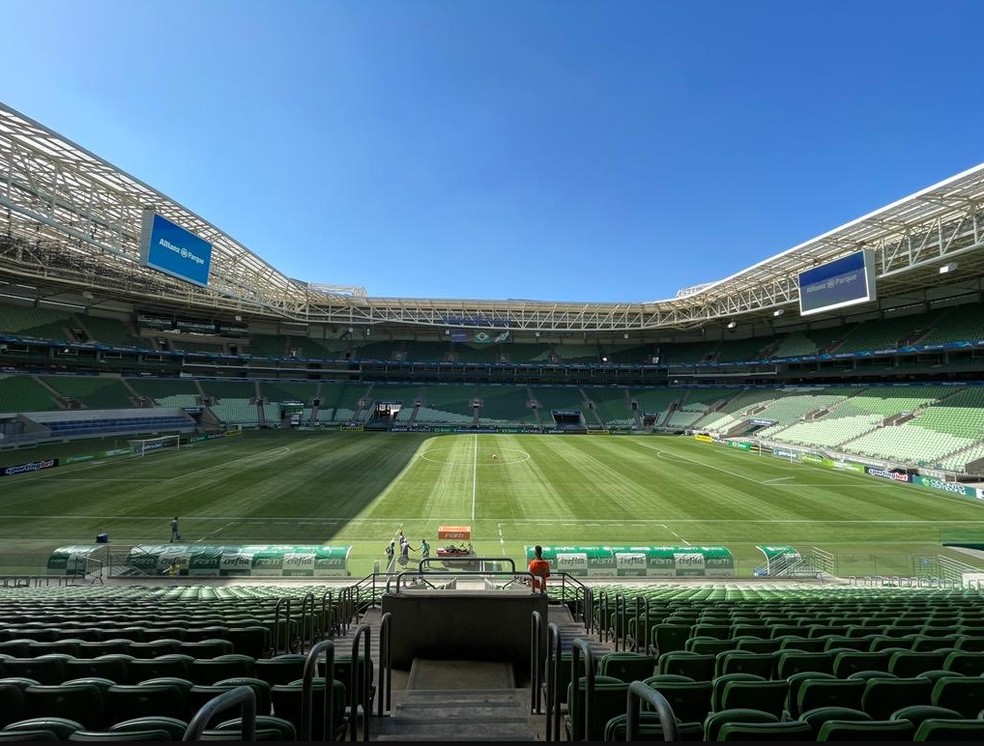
column 172, row 250
column 843, row 282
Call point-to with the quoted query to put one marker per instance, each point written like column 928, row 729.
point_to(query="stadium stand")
column 111, row 332
column 447, row 403
column 91, row 393
column 612, row 405
column 25, row 394
column 93, row 655
column 39, row 323
column 506, row 404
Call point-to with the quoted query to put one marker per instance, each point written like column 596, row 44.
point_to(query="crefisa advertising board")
column 648, row 561
column 171, row 249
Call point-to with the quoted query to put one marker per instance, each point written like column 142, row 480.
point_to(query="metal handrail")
column 247, row 721
column 588, row 605
column 553, row 677
column 426, row 561
column 602, row 616
column 399, row 579
column 307, row 619
column 360, row 678
column 385, row 663
column 307, row 691
column 639, row 690
column 619, row 619
column 536, row 620
column 578, row 646
column 327, row 613
column 282, row 603
column 641, row 621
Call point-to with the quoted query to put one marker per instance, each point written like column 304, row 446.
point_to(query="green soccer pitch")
column 359, row 489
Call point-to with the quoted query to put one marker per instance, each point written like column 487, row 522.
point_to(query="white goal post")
column 143, row 446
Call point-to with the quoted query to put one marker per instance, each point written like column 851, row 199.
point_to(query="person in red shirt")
column 539, row 568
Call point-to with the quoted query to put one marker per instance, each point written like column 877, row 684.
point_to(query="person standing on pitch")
column 404, row 550
column 425, row 549
column 390, row 556
column 175, row 533
column 539, row 568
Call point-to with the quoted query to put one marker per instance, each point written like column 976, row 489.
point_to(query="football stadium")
column 241, row 505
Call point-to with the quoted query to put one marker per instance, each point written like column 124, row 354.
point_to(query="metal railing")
column 638, row 691
column 536, row 624
column 385, row 665
column 240, row 695
column 307, row 691
column 361, row 682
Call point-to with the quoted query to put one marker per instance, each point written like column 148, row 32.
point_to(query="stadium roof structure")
column 70, row 223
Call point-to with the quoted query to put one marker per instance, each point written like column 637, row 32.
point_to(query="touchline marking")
column 777, row 479
column 474, row 478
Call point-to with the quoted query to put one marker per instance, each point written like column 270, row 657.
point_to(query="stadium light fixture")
column 779, row 312
column 732, row 324
column 947, row 268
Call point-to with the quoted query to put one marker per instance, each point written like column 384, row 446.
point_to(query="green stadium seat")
column 286, row 703
column 946, row 729
column 81, row 703
column 174, row 727
column 965, row 694
column 817, row 716
column 716, row 720
column 916, row 714
column 815, row 693
column 784, row 731
column 740, row 661
column 968, row 663
column 650, row 729
column 626, row 666
column 865, row 730
column 128, row 701
column 690, row 700
column 61, row 727
column 909, row 663
column 883, row 697
column 769, row 696
column 698, row 666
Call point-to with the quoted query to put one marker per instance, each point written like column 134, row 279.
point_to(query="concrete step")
column 456, row 715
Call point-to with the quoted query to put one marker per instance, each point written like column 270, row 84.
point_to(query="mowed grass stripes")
column 514, row 490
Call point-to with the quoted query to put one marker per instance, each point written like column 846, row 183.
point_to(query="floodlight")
column 779, row 312
column 732, row 324
column 946, row 268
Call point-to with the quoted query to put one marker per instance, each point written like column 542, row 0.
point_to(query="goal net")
column 143, row 446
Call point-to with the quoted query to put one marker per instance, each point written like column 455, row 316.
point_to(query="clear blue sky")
column 552, row 150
